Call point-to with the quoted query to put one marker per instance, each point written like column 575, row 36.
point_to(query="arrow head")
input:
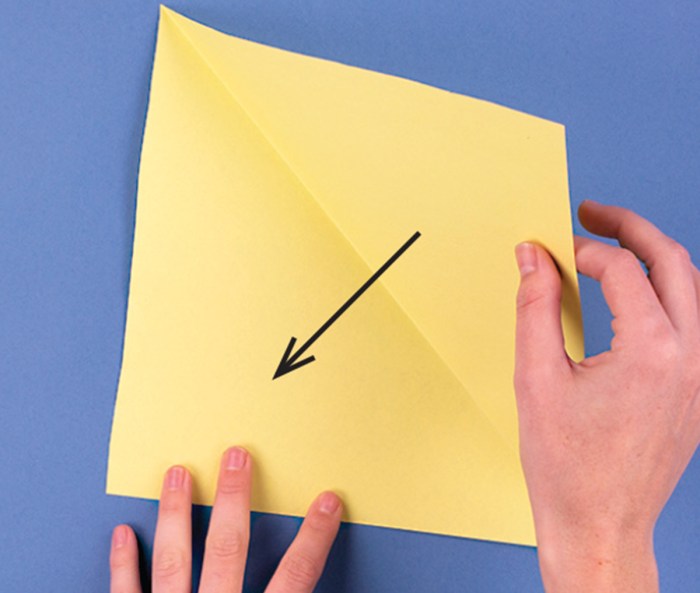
column 289, row 361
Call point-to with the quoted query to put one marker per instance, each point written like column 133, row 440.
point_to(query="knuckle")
column 530, row 297
column 173, row 504
column 301, row 570
column 668, row 347
column 656, row 330
column 678, row 254
column 525, row 383
column 227, row 546
column 169, row 563
column 532, row 380
column 233, row 485
column 694, row 357
column 121, row 587
column 665, row 353
column 624, row 261
column 119, row 559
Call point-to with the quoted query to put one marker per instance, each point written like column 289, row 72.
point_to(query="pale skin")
column 603, row 442
column 226, row 545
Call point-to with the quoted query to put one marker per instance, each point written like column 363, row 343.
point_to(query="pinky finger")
column 124, row 561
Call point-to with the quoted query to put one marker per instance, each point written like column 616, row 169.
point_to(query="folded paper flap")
column 384, row 157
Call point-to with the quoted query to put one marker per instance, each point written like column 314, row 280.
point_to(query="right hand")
column 603, row 442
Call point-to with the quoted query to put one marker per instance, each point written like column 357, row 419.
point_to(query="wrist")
column 602, row 559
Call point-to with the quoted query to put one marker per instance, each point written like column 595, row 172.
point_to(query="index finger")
column 671, row 271
column 635, row 307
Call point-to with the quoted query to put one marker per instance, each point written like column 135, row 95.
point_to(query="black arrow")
column 291, row 362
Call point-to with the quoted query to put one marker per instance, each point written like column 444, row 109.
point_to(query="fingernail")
column 119, row 536
column 236, row 458
column 328, row 503
column 527, row 258
column 176, row 477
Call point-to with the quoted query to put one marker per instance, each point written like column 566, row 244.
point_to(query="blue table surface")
column 624, row 77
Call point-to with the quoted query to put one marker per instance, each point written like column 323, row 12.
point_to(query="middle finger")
column 227, row 541
column 172, row 548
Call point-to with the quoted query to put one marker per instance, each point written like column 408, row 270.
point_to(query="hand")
column 227, row 541
column 604, row 442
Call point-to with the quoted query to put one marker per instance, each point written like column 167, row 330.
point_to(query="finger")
column 627, row 291
column 696, row 277
column 124, row 562
column 227, row 541
column 669, row 264
column 172, row 548
column 302, row 565
column 539, row 340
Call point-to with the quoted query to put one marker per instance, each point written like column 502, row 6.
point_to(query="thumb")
column 539, row 340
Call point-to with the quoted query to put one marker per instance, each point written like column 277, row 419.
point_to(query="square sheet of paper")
column 272, row 186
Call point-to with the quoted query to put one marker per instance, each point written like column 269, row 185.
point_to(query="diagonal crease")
column 166, row 13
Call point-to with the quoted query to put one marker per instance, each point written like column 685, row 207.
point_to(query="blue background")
column 624, row 77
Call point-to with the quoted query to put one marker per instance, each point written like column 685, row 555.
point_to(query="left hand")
column 227, row 541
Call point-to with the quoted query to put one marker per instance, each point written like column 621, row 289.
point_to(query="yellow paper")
column 272, row 186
